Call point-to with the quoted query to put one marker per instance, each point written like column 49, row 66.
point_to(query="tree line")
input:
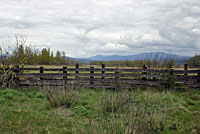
column 152, row 64
column 25, row 54
column 22, row 53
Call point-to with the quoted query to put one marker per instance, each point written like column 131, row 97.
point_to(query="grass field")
column 97, row 111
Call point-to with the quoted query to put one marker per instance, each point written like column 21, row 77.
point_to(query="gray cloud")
column 85, row 28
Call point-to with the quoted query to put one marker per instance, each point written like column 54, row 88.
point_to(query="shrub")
column 59, row 98
column 121, row 113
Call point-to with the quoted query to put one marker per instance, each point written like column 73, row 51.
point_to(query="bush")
column 59, row 98
column 121, row 113
column 194, row 61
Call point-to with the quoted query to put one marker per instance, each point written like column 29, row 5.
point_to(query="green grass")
column 94, row 111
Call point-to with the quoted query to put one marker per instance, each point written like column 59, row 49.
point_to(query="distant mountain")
column 142, row 56
column 83, row 60
column 148, row 55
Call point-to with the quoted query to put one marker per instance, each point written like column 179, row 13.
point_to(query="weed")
column 122, row 113
column 61, row 97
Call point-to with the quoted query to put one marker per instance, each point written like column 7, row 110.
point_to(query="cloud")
column 85, row 28
column 112, row 46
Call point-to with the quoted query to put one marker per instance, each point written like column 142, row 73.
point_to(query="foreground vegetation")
column 99, row 111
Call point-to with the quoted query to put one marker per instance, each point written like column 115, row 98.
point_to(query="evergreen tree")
column 58, row 57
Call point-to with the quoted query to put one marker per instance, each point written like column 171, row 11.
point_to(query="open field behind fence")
column 105, row 77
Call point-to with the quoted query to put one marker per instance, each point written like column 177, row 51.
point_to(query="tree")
column 51, row 58
column 45, row 57
column 194, row 61
column 22, row 52
column 58, row 57
column 63, row 59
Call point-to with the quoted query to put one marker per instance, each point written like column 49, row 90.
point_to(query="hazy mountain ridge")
column 142, row 56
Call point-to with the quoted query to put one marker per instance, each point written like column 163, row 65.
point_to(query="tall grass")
column 99, row 111
column 115, row 112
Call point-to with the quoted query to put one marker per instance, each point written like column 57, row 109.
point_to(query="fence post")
column 92, row 77
column 17, row 78
column 65, row 77
column 103, row 71
column 41, row 78
column 198, row 77
column 185, row 69
column 144, row 72
column 77, row 71
column 117, row 80
column 171, row 81
column 41, row 70
column 17, row 69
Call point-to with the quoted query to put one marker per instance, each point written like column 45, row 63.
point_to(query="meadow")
column 138, row 111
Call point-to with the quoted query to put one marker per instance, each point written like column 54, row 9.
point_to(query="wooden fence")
column 105, row 77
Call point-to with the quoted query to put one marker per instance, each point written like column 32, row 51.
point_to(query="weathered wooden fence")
column 105, row 77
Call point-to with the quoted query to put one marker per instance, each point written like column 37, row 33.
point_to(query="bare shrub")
column 121, row 113
column 6, row 70
column 10, row 62
column 158, row 60
column 60, row 97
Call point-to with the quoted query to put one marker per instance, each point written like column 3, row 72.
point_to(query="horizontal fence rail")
column 105, row 77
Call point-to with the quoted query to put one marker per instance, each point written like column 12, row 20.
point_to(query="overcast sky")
column 84, row 28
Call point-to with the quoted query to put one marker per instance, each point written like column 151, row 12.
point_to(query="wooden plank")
column 38, row 75
column 87, row 81
column 185, row 71
column 61, row 75
column 130, row 75
column 185, row 77
column 109, row 70
column 88, row 85
column 68, row 80
column 130, row 84
column 30, row 69
column 95, row 69
column 41, row 82
column 78, row 80
column 61, row 83
column 142, row 82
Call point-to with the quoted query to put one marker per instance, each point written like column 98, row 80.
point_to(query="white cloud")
column 112, row 46
column 88, row 27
